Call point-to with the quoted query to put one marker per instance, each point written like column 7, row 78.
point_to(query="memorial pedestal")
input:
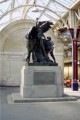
column 41, row 82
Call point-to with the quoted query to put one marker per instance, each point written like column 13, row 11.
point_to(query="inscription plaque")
column 43, row 78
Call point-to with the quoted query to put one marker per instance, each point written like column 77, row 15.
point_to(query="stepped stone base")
column 41, row 82
column 17, row 98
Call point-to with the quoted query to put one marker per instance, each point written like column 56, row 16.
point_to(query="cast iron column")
column 74, row 84
column 75, row 66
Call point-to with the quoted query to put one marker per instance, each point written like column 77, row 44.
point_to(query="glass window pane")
column 4, row 6
column 56, row 6
column 52, row 14
column 45, row 18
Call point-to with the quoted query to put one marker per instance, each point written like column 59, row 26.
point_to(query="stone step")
column 17, row 98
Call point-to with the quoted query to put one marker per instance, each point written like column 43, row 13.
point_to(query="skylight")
column 11, row 10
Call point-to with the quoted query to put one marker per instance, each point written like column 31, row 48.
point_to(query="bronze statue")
column 48, row 43
column 38, row 45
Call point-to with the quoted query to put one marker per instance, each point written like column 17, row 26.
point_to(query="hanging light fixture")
column 35, row 8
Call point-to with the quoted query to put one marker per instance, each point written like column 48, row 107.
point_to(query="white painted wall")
column 11, row 64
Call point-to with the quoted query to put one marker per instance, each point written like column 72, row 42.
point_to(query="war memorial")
column 41, row 79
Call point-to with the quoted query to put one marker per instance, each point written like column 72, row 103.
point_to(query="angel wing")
column 45, row 25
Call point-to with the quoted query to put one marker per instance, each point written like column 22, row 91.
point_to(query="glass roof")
column 51, row 10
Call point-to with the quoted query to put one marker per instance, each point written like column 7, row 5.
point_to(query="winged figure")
column 37, row 43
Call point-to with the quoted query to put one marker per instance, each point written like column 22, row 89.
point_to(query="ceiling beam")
column 1, row 11
column 28, row 5
column 44, row 10
column 32, row 5
column 61, row 4
column 51, row 17
column 3, row 1
column 76, row 3
column 5, row 13
column 26, row 8
column 12, row 6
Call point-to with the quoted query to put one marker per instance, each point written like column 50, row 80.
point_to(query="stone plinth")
column 41, row 82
